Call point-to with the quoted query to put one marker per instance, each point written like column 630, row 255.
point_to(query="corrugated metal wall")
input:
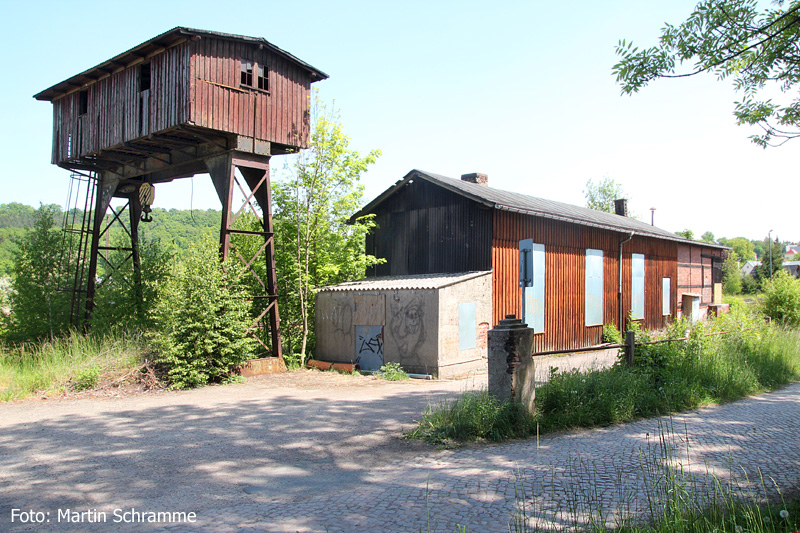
column 426, row 229
column 565, row 256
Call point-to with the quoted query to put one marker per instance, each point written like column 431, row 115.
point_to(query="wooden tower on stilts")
column 183, row 103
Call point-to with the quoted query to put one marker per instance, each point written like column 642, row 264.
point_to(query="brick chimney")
column 475, row 177
column 621, row 207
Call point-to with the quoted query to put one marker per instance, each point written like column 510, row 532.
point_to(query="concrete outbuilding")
column 433, row 324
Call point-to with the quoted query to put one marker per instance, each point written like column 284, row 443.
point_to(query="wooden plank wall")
column 426, row 229
column 565, row 267
column 217, row 101
column 112, row 115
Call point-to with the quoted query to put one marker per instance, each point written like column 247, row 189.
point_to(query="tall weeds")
column 68, row 363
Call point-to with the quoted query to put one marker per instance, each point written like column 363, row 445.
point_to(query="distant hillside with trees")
column 176, row 229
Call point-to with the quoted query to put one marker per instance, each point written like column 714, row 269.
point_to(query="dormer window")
column 254, row 75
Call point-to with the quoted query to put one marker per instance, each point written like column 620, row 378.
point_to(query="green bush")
column 611, row 335
column 202, row 318
column 782, row 299
column 293, row 361
column 750, row 285
column 392, row 372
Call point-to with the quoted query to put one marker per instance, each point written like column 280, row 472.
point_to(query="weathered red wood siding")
column 219, row 102
column 113, row 106
column 196, row 82
column 565, row 276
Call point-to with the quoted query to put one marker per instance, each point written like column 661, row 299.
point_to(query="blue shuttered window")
column 637, row 286
column 531, row 281
column 594, row 287
column 466, row 326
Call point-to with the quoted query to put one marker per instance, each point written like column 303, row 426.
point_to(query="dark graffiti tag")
column 371, row 344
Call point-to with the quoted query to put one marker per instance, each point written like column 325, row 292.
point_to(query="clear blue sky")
column 521, row 91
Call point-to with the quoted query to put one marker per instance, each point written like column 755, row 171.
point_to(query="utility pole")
column 769, row 238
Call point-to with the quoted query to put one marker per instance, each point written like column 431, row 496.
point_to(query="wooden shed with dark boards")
column 574, row 268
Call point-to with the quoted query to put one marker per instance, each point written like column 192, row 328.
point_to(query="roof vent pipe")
column 476, row 177
column 620, row 207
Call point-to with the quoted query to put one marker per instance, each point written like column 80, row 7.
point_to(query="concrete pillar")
column 511, row 369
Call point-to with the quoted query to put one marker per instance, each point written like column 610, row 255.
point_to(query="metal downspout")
column 619, row 293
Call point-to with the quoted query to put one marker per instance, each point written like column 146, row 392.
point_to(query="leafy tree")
column 731, row 276
column 600, row 196
column 315, row 244
column 730, row 38
column 202, row 316
column 707, row 237
column 744, row 248
column 39, row 309
column 16, row 215
column 686, row 234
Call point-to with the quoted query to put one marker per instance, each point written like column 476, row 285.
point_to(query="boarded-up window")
column 666, row 302
column 467, row 334
column 594, row 287
column 637, row 286
column 532, row 279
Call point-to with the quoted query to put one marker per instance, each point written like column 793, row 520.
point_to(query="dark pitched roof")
column 530, row 205
column 155, row 44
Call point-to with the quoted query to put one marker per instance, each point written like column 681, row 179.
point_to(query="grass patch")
column 665, row 378
column 474, row 416
column 74, row 363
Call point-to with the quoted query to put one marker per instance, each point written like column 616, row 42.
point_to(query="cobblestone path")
column 238, row 476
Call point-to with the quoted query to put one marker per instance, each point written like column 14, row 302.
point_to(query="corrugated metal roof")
column 164, row 40
column 530, row 205
column 415, row 282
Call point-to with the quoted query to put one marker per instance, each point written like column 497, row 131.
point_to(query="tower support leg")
column 135, row 210
column 104, row 192
column 256, row 192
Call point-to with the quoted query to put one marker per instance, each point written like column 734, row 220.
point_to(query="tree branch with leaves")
column 730, row 38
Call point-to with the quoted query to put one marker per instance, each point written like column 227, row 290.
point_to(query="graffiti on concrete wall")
column 369, row 347
column 407, row 325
